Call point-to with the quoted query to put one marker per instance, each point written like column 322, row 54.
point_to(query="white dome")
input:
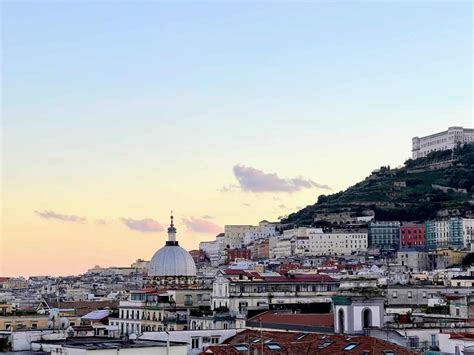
column 172, row 260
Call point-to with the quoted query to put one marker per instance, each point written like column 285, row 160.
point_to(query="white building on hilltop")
column 313, row 241
column 422, row 146
column 237, row 236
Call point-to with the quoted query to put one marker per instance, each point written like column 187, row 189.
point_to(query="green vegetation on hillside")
column 406, row 194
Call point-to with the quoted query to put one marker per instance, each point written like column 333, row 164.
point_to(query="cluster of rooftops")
column 249, row 341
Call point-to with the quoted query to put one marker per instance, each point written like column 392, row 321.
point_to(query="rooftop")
column 275, row 278
column 273, row 342
column 311, row 319
column 94, row 343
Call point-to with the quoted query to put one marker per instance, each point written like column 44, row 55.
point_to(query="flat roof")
column 96, row 343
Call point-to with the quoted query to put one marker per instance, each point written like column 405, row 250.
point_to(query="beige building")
column 154, row 310
column 33, row 321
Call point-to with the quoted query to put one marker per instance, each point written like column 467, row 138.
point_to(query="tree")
column 468, row 260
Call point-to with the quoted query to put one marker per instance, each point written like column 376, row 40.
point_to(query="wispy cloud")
column 201, row 225
column 146, row 225
column 255, row 180
column 282, row 207
column 101, row 222
column 206, row 216
column 227, row 188
column 60, row 216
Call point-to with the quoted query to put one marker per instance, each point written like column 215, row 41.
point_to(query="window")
column 424, row 294
column 350, row 346
column 410, row 294
column 389, row 352
column 206, row 339
column 325, row 344
column 215, row 340
column 188, row 300
column 241, row 347
column 273, row 346
column 395, row 294
column 300, row 336
column 194, row 343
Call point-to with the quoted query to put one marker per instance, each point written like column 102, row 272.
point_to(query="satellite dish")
column 70, row 332
column 53, row 314
column 63, row 323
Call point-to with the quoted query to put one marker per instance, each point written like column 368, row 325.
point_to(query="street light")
column 167, row 342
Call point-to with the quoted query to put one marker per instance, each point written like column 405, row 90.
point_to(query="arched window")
column 340, row 316
column 367, row 318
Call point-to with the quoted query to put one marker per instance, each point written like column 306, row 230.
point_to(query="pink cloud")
column 201, row 225
column 146, row 225
column 60, row 216
column 255, row 180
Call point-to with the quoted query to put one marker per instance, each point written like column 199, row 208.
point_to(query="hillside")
column 440, row 184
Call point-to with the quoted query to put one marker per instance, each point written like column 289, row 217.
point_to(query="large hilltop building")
column 422, row 146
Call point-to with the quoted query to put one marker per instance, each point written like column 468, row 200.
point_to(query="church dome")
column 172, row 260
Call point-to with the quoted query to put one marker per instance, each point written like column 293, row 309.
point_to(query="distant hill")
column 440, row 184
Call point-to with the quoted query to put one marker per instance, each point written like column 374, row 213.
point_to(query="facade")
column 468, row 231
column 151, row 310
column 422, row 146
column 196, row 339
column 198, row 255
column 456, row 233
column 239, row 290
column 262, row 250
column 463, row 281
column 384, row 235
column 412, row 235
column 233, row 254
column 446, row 233
column 352, row 315
column 216, row 321
column 237, row 236
column 436, row 234
column 413, row 260
column 337, row 243
column 416, row 296
column 282, row 247
column 214, row 250
column 304, row 241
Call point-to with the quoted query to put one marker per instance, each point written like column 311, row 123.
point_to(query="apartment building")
column 240, row 290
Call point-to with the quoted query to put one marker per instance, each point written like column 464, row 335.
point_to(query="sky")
column 116, row 113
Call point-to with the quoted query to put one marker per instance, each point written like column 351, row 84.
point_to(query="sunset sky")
column 115, row 113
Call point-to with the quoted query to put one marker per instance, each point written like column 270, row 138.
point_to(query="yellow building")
column 454, row 256
column 5, row 309
column 23, row 322
column 33, row 321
